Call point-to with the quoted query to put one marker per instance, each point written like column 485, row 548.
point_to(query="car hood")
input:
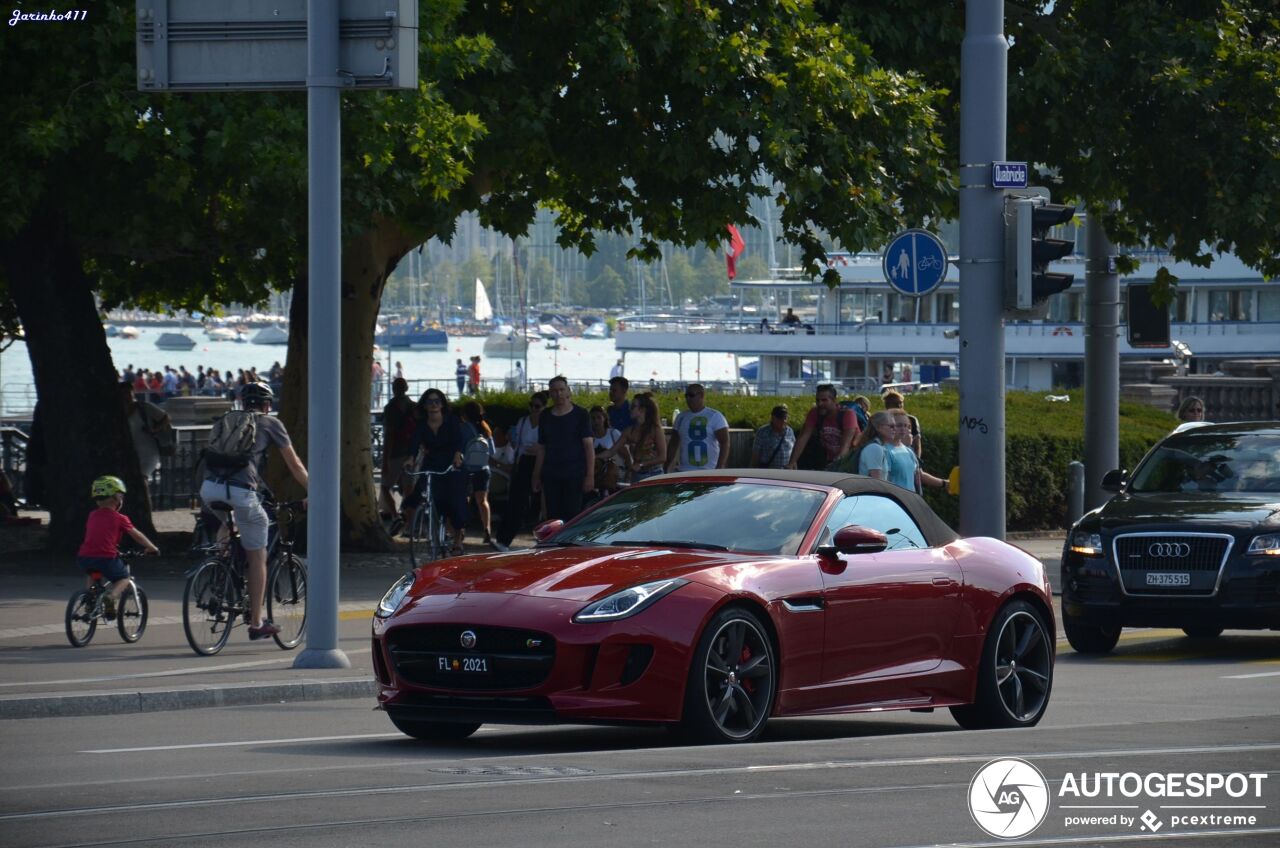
column 1231, row 510
column 577, row 574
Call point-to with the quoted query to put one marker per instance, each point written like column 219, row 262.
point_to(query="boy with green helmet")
column 100, row 550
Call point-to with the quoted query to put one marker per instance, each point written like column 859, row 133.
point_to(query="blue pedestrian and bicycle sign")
column 915, row 262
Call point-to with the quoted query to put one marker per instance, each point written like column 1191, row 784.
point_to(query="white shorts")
column 251, row 518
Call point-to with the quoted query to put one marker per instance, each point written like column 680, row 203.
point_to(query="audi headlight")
column 627, row 602
column 1086, row 544
column 1268, row 545
column 394, row 597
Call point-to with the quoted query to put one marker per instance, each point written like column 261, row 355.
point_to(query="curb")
column 163, row 700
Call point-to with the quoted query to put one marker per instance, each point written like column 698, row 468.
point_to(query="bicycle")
column 428, row 535
column 216, row 596
column 87, row 607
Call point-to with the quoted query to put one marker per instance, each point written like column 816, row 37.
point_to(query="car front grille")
column 1194, row 560
column 512, row 658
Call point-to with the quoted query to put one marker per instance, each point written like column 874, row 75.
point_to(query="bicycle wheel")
column 80, row 620
column 131, row 613
column 420, row 549
column 209, row 607
column 287, row 600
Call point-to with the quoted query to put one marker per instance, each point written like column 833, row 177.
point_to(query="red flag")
column 734, row 250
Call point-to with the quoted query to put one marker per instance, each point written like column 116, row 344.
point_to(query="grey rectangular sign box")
column 253, row 45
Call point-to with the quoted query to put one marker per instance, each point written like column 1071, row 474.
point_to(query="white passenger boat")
column 863, row 331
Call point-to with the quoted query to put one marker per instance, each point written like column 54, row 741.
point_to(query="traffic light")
column 1028, row 251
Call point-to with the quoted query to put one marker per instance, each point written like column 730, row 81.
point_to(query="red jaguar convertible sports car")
column 713, row 600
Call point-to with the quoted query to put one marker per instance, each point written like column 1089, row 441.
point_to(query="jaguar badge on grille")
column 1169, row 549
column 468, row 639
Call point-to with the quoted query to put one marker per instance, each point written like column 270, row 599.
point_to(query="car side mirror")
column 1114, row 480
column 547, row 529
column 860, row 540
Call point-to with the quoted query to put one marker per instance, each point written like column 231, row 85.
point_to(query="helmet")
column 105, row 487
column 256, row 394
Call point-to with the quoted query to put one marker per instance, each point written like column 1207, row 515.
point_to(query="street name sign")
column 915, row 262
column 1008, row 174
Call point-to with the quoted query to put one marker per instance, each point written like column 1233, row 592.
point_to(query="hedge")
column 1042, row 437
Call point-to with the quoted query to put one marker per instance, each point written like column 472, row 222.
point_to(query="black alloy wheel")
column 1086, row 638
column 732, row 680
column 1016, row 672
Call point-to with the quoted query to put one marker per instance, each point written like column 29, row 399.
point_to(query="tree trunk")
column 85, row 431
column 367, row 261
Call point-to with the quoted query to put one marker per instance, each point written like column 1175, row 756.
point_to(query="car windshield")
column 746, row 517
column 1199, row 461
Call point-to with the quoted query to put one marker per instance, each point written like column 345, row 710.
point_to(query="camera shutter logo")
column 1008, row 798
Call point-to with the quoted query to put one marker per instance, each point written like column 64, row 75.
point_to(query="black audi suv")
column 1191, row 540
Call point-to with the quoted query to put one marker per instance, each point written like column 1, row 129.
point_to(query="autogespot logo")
column 1008, row 798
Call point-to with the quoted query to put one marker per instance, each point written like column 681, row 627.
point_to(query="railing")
column 13, row 459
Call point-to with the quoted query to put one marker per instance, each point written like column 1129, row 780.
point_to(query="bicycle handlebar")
column 430, row 473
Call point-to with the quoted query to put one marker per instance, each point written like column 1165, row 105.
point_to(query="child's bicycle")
column 216, row 597
column 89, row 606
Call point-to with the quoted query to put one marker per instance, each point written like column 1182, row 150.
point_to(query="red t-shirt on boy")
column 102, row 533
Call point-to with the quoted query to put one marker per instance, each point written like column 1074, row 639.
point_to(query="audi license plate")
column 1168, row 578
column 463, row 665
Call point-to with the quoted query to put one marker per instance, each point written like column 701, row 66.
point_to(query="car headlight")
column 1268, row 545
column 394, row 597
column 1087, row 544
column 627, row 602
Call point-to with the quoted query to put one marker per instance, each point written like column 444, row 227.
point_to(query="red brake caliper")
column 747, row 685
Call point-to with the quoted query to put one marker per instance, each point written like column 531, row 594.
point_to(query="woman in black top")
column 437, row 446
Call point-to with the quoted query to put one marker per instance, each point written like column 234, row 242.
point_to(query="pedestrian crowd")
column 157, row 386
column 560, row 456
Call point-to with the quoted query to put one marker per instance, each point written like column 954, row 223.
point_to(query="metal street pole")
column 983, row 82
column 324, row 343
column 1101, row 362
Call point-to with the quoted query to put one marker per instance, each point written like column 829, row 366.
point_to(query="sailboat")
column 505, row 340
column 415, row 332
column 483, row 309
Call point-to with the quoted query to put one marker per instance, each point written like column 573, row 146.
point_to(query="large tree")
column 115, row 197
column 628, row 118
column 1161, row 115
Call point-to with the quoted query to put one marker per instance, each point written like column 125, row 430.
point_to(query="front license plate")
column 463, row 665
column 1168, row 578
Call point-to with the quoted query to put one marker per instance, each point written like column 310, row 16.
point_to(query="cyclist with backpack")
column 234, row 462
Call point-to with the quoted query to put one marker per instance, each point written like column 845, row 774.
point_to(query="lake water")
column 577, row 359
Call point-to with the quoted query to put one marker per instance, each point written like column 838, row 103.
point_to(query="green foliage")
column 1170, row 109
column 1042, row 438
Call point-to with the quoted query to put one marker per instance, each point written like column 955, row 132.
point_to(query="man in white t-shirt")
column 701, row 438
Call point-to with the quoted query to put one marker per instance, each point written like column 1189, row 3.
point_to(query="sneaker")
column 501, row 547
column 266, row 631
